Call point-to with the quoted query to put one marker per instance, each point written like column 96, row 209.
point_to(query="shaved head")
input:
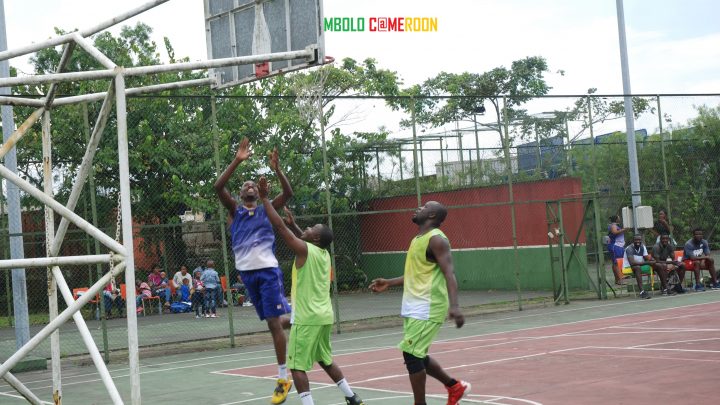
column 433, row 212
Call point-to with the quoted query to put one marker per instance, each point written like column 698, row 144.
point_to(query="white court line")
column 674, row 342
column 669, row 329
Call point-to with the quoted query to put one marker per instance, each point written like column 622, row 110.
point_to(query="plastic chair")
column 626, row 271
column 150, row 300
column 77, row 292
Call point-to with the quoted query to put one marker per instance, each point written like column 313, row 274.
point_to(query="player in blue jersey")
column 253, row 243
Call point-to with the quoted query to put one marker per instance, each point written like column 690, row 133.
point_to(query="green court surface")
column 495, row 352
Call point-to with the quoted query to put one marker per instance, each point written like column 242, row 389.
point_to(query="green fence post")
column 508, row 171
column 600, row 257
column 562, row 254
column 4, row 231
column 415, row 153
column 400, row 160
column 221, row 215
column 664, row 162
column 93, row 210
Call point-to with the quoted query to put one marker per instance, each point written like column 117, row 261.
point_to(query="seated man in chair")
column 696, row 257
column 636, row 258
column 664, row 254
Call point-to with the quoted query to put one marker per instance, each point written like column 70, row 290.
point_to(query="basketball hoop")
column 309, row 92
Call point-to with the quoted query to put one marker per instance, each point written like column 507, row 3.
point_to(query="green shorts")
column 419, row 335
column 644, row 269
column 309, row 344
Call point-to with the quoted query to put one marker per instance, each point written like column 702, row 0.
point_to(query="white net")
column 309, row 92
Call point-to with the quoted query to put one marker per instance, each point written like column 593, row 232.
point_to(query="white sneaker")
column 213, row 316
column 207, row 315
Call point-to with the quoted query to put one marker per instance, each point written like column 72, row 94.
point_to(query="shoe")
column 699, row 288
column 197, row 316
column 644, row 295
column 354, row 400
column 715, row 286
column 281, row 391
column 679, row 289
column 207, row 315
column 213, row 316
column 457, row 392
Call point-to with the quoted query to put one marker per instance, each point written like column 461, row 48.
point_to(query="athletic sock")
column 306, row 398
column 451, row 382
column 282, row 371
column 345, row 388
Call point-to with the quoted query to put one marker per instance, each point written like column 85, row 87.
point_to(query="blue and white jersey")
column 253, row 239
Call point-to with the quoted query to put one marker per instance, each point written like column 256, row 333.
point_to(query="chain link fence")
column 529, row 192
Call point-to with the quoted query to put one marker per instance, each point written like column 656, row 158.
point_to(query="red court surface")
column 668, row 356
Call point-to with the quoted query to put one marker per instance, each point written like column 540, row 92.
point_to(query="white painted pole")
column 49, row 235
column 155, row 69
column 63, row 317
column 57, row 261
column 629, row 115
column 24, row 50
column 93, row 51
column 60, row 209
column 127, row 236
column 32, row 102
column 134, row 91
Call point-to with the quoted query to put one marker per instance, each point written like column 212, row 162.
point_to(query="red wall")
column 488, row 226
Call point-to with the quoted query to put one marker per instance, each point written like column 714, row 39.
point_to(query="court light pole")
column 629, row 117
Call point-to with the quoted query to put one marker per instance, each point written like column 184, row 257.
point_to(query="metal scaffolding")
column 121, row 257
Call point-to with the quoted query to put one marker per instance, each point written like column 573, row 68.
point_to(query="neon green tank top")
column 425, row 293
column 311, row 289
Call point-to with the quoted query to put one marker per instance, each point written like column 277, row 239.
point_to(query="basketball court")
column 625, row 350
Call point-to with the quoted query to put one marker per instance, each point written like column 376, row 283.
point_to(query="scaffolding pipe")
column 93, row 51
column 62, row 210
column 63, row 317
column 134, row 91
column 127, row 236
column 40, row 262
column 49, row 233
column 87, row 337
column 24, row 50
column 307, row 53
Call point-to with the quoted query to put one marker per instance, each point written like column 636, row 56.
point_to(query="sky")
column 673, row 45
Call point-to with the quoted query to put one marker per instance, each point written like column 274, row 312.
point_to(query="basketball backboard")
column 253, row 27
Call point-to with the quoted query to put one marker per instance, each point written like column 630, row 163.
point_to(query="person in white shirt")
column 179, row 277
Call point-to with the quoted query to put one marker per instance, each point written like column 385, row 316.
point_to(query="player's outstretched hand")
column 273, row 156
column 379, row 285
column 289, row 217
column 244, row 151
column 457, row 316
column 262, row 186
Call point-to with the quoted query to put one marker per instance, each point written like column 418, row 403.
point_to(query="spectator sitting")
column 142, row 290
column 636, row 258
column 178, row 280
column 159, row 284
column 696, row 257
column 184, row 290
column 211, row 281
column 663, row 227
column 197, row 294
column 664, row 254
column 111, row 295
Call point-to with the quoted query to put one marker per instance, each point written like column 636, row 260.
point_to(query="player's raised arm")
column 290, row 222
column 287, row 191
column 440, row 249
column 221, row 190
column 296, row 244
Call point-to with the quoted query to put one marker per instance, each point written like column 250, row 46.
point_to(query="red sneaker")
column 457, row 392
